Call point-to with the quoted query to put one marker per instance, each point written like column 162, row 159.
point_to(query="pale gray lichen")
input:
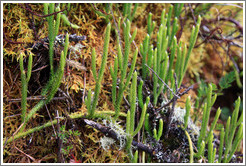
column 178, row 116
column 117, row 128
column 106, row 142
column 77, row 48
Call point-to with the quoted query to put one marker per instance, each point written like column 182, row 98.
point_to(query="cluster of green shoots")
column 163, row 69
column 49, row 91
column 157, row 64
column 206, row 137
column 55, row 76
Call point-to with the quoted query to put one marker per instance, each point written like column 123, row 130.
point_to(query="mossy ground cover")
column 217, row 52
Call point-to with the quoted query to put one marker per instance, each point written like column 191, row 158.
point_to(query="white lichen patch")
column 178, row 116
column 117, row 128
column 77, row 48
column 106, row 142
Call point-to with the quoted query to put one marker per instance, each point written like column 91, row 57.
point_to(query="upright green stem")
column 23, row 89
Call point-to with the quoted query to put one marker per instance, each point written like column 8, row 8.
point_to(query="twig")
column 31, row 11
column 172, row 100
column 238, row 25
column 41, row 68
column 51, row 120
column 162, row 81
column 36, row 98
column 33, row 159
column 10, row 41
column 59, row 140
column 111, row 133
column 118, row 31
column 173, row 105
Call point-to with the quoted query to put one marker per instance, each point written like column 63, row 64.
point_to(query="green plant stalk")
column 149, row 24
column 155, row 133
column 143, row 157
column 169, row 74
column 146, row 123
column 155, row 79
column 238, row 81
column 159, row 49
column 133, row 101
column 67, row 22
column 144, row 50
column 133, row 36
column 123, row 67
column 213, row 155
column 59, row 74
column 23, row 90
column 58, row 20
column 193, row 38
column 232, row 129
column 107, row 8
column 134, row 11
column 93, row 64
column 99, row 114
column 239, row 137
column 240, row 120
column 66, row 45
column 128, row 124
column 128, row 128
column 55, row 80
column 88, row 102
column 217, row 115
column 101, row 72
column 51, row 10
column 119, row 56
column 190, row 146
column 126, row 9
column 127, row 49
column 203, row 127
column 178, row 61
column 222, row 136
column 235, row 114
column 50, row 19
column 29, row 68
column 160, row 129
column 150, row 58
column 168, row 16
column 141, row 120
column 114, row 80
column 174, row 31
column 172, row 82
column 164, row 38
column 163, row 19
column 135, row 158
column 206, row 114
column 46, row 9
column 187, row 114
column 210, row 147
column 178, row 9
column 37, row 107
column 140, row 95
column 164, row 69
column 228, row 123
column 181, row 71
column 123, row 86
column 200, row 150
column 51, row 53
